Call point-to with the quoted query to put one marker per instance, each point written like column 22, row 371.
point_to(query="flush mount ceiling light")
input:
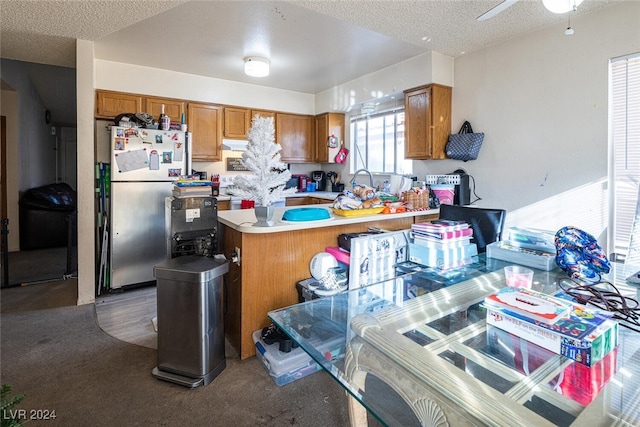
column 561, row 6
column 256, row 66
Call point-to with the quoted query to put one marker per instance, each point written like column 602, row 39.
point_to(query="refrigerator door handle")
column 187, row 148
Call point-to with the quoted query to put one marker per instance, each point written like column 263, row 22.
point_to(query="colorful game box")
column 585, row 335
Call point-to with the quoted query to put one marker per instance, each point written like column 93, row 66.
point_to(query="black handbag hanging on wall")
column 464, row 145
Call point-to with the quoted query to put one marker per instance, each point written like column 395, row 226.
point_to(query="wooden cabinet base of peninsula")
column 270, row 266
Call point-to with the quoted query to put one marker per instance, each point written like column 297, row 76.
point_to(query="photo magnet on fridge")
column 154, row 160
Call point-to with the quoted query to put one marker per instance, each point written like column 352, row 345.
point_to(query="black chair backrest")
column 487, row 224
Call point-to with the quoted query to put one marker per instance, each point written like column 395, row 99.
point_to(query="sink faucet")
column 355, row 175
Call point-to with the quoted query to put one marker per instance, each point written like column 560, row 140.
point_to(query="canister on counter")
column 215, row 185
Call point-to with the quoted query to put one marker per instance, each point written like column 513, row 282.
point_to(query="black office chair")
column 487, row 224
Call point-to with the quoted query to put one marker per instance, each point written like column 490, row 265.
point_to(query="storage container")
column 504, row 251
column 416, row 199
column 288, row 367
column 444, row 193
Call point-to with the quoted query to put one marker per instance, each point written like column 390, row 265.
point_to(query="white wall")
column 37, row 155
column 171, row 84
column 85, row 84
column 67, row 155
column 541, row 101
column 430, row 67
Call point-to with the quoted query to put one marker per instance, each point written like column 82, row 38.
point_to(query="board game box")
column 585, row 335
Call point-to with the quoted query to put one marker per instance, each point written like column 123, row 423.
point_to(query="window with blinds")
column 625, row 138
column 377, row 141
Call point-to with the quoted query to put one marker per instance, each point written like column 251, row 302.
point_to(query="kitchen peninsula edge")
column 273, row 259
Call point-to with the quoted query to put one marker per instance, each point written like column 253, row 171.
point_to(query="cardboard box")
column 530, row 304
column 584, row 336
column 288, row 367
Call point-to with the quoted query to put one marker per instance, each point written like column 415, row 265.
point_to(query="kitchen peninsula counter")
column 328, row 195
column 243, row 220
column 273, row 259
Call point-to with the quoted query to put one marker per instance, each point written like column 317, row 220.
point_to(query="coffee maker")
column 462, row 190
column 320, row 178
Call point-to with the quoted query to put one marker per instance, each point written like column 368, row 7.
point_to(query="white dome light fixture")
column 561, row 6
column 256, row 66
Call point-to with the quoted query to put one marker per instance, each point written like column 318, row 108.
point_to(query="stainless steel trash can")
column 190, row 319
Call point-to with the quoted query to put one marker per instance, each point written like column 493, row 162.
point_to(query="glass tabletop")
column 429, row 329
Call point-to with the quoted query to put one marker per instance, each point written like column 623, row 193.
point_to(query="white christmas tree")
column 262, row 157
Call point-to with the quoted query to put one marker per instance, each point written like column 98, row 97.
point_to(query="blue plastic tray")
column 306, row 214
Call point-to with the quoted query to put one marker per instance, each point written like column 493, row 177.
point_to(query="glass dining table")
column 416, row 350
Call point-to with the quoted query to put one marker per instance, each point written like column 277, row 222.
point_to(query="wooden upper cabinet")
column 295, row 133
column 263, row 113
column 111, row 104
column 328, row 124
column 174, row 108
column 205, row 125
column 427, row 112
column 237, row 122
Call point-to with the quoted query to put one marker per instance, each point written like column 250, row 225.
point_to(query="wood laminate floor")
column 129, row 316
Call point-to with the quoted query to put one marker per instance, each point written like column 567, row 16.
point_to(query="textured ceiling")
column 312, row 45
column 45, row 31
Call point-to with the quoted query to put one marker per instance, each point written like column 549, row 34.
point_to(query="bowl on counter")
column 306, row 214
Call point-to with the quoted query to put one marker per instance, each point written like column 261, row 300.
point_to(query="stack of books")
column 442, row 244
column 564, row 327
column 192, row 188
column 526, row 246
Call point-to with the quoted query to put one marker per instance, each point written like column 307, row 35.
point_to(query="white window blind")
column 625, row 123
column 377, row 142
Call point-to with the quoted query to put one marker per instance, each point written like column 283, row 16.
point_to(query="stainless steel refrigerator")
column 144, row 165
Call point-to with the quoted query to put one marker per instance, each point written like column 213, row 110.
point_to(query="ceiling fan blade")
column 496, row 10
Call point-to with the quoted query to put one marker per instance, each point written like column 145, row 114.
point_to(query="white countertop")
column 319, row 194
column 243, row 219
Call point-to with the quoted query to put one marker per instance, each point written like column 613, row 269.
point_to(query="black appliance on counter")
column 320, row 178
column 462, row 191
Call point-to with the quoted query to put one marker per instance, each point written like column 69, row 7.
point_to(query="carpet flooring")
column 56, row 354
column 38, row 265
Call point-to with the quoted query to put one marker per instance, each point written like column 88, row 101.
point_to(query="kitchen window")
column 625, row 158
column 377, row 142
